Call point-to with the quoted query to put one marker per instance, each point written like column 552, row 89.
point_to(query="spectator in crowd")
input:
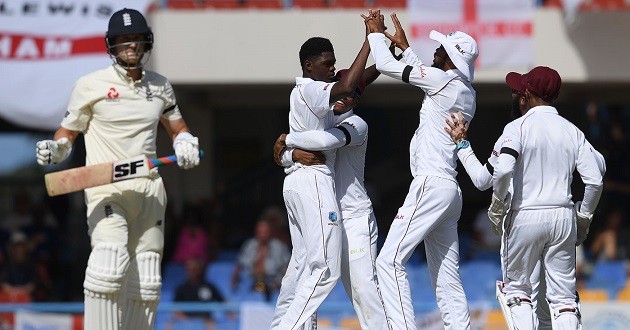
column 278, row 221
column 197, row 289
column 264, row 258
column 192, row 241
column 606, row 243
column 18, row 277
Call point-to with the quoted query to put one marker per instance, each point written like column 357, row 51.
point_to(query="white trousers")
column 315, row 227
column 533, row 235
column 358, row 271
column 430, row 214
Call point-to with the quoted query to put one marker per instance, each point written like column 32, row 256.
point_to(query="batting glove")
column 497, row 211
column 52, row 152
column 187, row 150
column 583, row 223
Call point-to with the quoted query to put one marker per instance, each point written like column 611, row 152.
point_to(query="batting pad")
column 142, row 291
column 106, row 268
column 104, row 275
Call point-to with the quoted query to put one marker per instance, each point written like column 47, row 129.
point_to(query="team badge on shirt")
column 112, row 95
column 332, row 217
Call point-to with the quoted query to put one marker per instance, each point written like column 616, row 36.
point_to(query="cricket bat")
column 79, row 178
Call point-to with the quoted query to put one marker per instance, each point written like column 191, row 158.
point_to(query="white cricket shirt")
column 432, row 152
column 539, row 152
column 118, row 116
column 310, row 109
column 350, row 137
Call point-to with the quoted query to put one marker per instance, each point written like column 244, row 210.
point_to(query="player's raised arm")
column 349, row 82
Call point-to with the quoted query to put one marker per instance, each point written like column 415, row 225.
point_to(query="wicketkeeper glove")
column 497, row 211
column 583, row 223
column 52, row 152
column 187, row 150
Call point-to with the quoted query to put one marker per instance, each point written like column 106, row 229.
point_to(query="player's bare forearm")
column 174, row 127
column 278, row 148
column 64, row 132
column 349, row 82
column 370, row 74
column 306, row 157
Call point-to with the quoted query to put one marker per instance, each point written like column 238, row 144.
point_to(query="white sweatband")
column 182, row 136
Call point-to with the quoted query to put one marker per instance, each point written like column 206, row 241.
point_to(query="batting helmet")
column 127, row 21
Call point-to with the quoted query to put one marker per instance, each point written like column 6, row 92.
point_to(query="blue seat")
column 174, row 274
column 219, row 273
column 189, row 324
column 608, row 275
column 479, row 278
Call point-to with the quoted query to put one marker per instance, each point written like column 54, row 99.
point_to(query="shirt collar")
column 458, row 73
column 302, row 80
column 544, row 108
column 122, row 72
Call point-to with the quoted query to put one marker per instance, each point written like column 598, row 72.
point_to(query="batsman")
column 118, row 110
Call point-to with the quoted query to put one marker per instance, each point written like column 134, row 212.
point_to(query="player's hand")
column 278, row 148
column 399, row 38
column 187, row 150
column 306, row 157
column 583, row 223
column 374, row 21
column 496, row 213
column 52, row 152
column 458, row 128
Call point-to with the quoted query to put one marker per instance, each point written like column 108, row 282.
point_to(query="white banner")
column 45, row 46
column 502, row 28
column 25, row 320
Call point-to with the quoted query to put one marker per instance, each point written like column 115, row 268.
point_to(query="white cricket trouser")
column 358, row 271
column 542, row 319
column 296, row 273
column 126, row 218
column 548, row 235
column 430, row 213
column 129, row 212
column 314, row 219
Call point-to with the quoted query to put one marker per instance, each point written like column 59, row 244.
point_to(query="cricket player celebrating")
column 481, row 176
column 360, row 232
column 538, row 154
column 309, row 190
column 118, row 110
column 433, row 205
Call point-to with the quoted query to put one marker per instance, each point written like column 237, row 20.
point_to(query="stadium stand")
column 593, row 295
column 479, row 278
column 608, row 275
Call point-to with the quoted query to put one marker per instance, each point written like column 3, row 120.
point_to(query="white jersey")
column 539, row 152
column 118, row 116
column 432, row 152
column 350, row 137
column 311, row 109
column 481, row 175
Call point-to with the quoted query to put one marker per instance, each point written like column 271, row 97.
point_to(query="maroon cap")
column 362, row 84
column 541, row 81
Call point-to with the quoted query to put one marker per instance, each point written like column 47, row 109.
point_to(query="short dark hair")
column 313, row 47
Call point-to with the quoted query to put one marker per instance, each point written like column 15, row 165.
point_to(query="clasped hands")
column 375, row 23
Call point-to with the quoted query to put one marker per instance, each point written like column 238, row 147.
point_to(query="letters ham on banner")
column 45, row 46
